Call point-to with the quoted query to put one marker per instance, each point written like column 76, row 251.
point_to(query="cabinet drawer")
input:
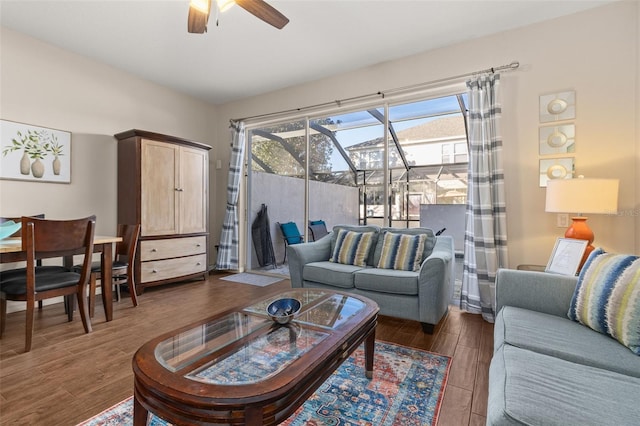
column 156, row 270
column 172, row 247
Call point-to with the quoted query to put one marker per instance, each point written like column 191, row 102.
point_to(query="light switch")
column 562, row 220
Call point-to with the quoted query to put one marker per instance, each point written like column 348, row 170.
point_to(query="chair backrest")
column 318, row 229
column 290, row 232
column 57, row 238
column 126, row 248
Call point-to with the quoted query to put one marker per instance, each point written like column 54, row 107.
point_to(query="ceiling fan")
column 199, row 11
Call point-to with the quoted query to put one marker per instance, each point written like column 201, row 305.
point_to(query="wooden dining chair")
column 43, row 238
column 122, row 271
column 8, row 274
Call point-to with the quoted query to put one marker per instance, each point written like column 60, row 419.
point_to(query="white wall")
column 594, row 53
column 49, row 87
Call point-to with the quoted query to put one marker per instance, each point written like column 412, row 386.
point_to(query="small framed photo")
column 566, row 256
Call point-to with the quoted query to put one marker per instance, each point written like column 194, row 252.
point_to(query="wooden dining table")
column 11, row 251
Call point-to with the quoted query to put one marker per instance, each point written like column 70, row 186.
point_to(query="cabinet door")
column 194, row 164
column 160, row 208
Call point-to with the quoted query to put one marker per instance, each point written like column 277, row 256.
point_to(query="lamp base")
column 579, row 230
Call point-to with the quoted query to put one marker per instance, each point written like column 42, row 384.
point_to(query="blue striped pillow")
column 607, row 297
column 402, row 251
column 352, row 248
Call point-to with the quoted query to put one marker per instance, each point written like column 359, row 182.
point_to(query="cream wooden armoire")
column 163, row 184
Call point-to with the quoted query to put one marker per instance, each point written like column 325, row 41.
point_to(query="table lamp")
column 582, row 196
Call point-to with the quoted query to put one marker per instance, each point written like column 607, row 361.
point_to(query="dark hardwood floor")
column 70, row 376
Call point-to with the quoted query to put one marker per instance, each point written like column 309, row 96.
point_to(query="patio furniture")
column 290, row 234
column 261, row 237
column 318, row 229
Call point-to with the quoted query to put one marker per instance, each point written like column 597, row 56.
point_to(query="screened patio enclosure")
column 375, row 165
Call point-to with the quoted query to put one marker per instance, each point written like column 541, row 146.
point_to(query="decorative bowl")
column 9, row 228
column 283, row 310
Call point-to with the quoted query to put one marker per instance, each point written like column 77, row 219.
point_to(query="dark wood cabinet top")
column 159, row 137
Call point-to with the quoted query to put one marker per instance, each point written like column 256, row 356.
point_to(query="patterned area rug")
column 407, row 389
column 253, row 279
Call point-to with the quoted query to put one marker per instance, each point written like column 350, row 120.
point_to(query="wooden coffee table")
column 239, row 367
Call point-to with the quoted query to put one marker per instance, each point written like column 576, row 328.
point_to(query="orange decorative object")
column 579, row 230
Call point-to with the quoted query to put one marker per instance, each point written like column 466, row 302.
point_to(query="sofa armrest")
column 537, row 291
column 436, row 280
column 301, row 254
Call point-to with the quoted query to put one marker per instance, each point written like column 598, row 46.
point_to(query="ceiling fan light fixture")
column 224, row 5
column 201, row 5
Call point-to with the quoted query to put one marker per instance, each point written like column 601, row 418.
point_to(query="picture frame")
column 34, row 153
column 566, row 256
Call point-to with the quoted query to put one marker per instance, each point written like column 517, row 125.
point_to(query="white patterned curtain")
column 229, row 238
column 485, row 242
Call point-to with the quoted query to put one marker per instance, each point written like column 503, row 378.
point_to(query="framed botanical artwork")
column 566, row 256
column 33, row 153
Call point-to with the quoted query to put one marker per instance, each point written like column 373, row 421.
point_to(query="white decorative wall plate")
column 557, row 139
column 556, row 168
column 558, row 106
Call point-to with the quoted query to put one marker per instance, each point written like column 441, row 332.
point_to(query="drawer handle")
column 198, row 264
column 197, row 245
column 153, row 250
column 179, row 189
column 155, row 271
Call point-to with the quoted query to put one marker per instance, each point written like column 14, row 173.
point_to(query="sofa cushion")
column 335, row 274
column 429, row 244
column 402, row 252
column 352, row 248
column 535, row 389
column 387, row 281
column 607, row 297
column 357, row 228
column 562, row 338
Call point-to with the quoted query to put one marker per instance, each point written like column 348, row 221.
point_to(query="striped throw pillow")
column 402, row 251
column 352, row 248
column 607, row 297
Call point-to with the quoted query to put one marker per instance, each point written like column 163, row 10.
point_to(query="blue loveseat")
column 423, row 295
column 549, row 370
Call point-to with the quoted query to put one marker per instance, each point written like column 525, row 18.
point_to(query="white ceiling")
column 243, row 56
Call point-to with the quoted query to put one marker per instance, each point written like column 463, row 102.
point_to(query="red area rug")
column 407, row 389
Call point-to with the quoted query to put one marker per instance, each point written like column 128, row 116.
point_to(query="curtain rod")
column 382, row 93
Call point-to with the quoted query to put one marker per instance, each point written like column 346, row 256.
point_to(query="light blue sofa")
column 422, row 296
column 549, row 370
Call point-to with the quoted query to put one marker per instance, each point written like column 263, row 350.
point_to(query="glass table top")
column 246, row 346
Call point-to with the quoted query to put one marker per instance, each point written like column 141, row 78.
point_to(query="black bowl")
column 283, row 310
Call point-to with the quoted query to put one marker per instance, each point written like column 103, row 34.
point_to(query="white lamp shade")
column 582, row 195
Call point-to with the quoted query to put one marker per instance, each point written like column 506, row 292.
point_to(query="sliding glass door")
column 378, row 165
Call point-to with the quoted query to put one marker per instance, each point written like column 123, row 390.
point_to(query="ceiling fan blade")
column 197, row 21
column 264, row 11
